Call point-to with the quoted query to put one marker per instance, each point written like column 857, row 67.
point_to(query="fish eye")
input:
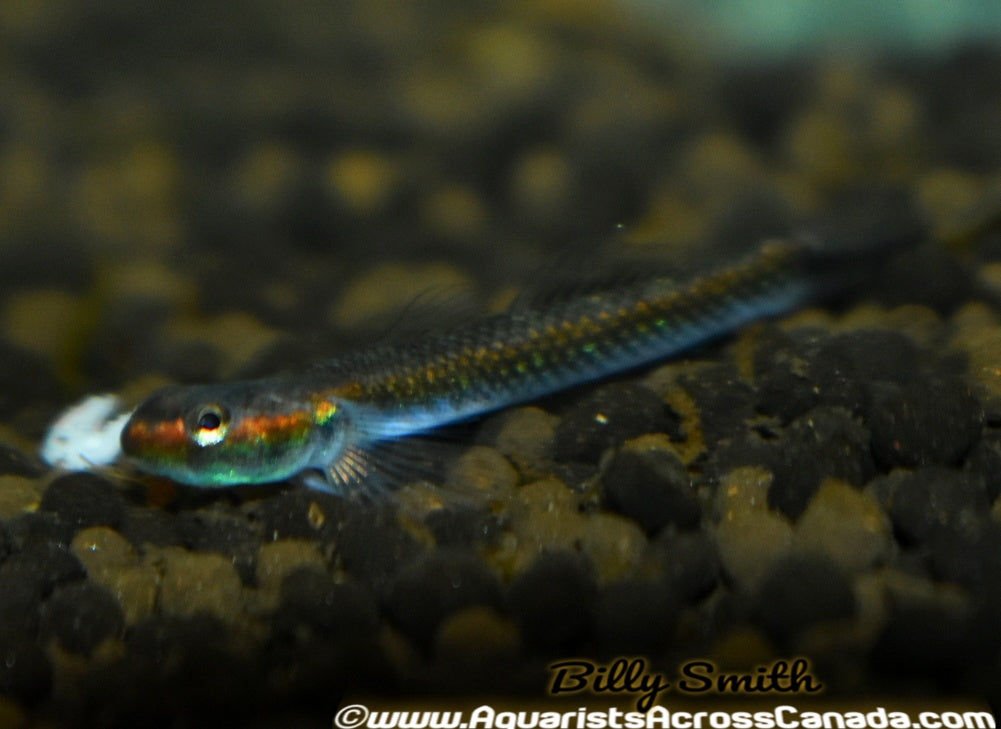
column 210, row 424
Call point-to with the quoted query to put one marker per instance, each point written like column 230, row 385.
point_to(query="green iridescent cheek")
column 273, row 456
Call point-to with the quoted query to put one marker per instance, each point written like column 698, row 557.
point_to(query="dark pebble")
column 842, row 367
column 44, row 566
column 926, row 640
column 30, row 261
column 633, row 617
column 84, row 500
column 371, row 546
column 578, row 476
column 651, row 487
column 15, row 463
column 81, row 615
column 463, row 526
column 25, row 671
column 607, row 417
column 869, row 355
column 726, row 610
column 188, row 361
column 755, row 447
column 128, row 339
column 287, row 352
column 725, row 402
column 19, row 601
column 926, row 421
column 436, row 584
column 798, row 370
column 197, row 666
column 325, row 635
column 25, row 381
column 825, row 442
column 691, row 564
column 930, row 274
column 286, row 515
column 913, row 562
column 551, row 601
column 755, row 215
column 936, row 503
column 884, row 486
column 985, row 459
column 144, row 525
column 309, row 597
column 833, row 377
column 959, row 125
column 873, row 219
column 606, row 152
column 163, row 638
column 761, row 98
column 971, row 558
column 782, row 386
column 27, row 577
column 39, row 527
column 800, row 592
column 128, row 692
column 223, row 530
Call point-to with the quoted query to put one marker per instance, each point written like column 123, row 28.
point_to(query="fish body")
column 332, row 416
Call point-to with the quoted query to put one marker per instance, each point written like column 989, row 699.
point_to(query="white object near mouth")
column 86, row 435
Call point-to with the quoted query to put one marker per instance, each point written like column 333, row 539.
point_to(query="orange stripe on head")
column 142, row 434
column 268, row 427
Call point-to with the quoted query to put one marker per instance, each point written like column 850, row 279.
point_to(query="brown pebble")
column 454, row 212
column 475, row 638
column 45, row 322
column 526, row 436
column 18, row 495
column 199, row 582
column 821, row 147
column 264, row 175
column 362, row 178
column 614, row 544
column 101, row 547
column 541, row 184
column 12, row 715
column 112, row 562
column 237, row 336
column 845, row 524
column 543, row 516
column 275, row 560
column 751, row 538
column 392, row 287
column 482, row 472
column 741, row 648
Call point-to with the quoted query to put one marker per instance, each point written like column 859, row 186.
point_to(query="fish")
column 332, row 420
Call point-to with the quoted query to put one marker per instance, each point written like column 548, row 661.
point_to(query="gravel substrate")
column 194, row 195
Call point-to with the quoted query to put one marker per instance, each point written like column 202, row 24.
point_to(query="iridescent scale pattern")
column 525, row 354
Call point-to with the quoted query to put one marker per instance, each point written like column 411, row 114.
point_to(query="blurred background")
column 806, row 27
column 183, row 182
column 192, row 191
